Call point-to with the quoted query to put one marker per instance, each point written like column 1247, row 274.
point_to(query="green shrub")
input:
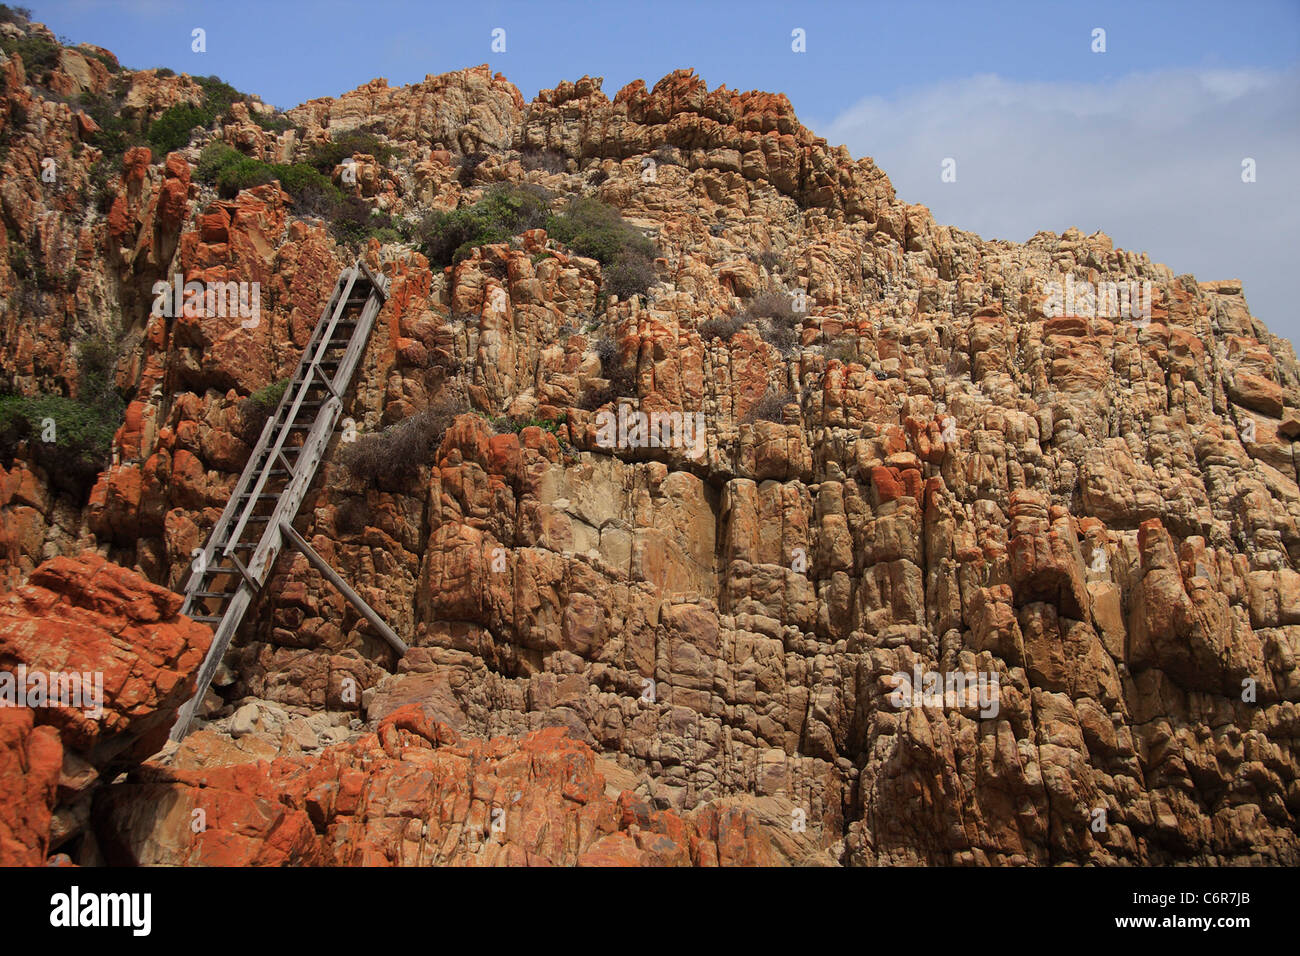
column 504, row 211
column 299, row 179
column 275, row 122
column 350, row 219
column 230, row 171
column 117, row 132
column 172, row 129
column 597, row 230
column 319, row 198
column 83, row 427
column 522, row 207
column 82, row 438
column 245, row 173
column 269, row 396
column 257, row 408
column 327, row 156
column 553, row 425
column 216, row 156
column 356, row 220
column 218, row 96
column 39, row 54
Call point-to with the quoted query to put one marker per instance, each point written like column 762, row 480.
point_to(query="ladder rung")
column 204, row 619
column 305, row 406
column 211, row 594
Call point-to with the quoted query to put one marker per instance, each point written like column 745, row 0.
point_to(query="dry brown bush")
column 400, row 449
column 770, row 408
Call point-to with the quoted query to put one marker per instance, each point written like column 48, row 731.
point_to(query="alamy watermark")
column 956, row 689
column 81, row 691
column 636, row 429
column 77, row 909
column 1104, row 300
column 195, row 299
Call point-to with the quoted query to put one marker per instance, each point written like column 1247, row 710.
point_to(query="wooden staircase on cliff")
column 257, row 520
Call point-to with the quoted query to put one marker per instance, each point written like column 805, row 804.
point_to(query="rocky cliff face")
column 1091, row 515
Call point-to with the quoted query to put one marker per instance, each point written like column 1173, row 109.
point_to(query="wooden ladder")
column 257, row 520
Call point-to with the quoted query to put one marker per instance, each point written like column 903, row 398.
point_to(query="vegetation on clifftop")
column 586, row 225
column 350, row 219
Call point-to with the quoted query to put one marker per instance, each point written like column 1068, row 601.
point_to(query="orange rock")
column 30, row 760
column 135, row 659
column 423, row 796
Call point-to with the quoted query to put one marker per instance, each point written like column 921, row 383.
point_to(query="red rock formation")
column 93, row 619
column 414, row 794
column 1099, row 511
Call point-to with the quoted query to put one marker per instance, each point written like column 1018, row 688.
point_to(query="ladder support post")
column 243, row 572
column 320, row 564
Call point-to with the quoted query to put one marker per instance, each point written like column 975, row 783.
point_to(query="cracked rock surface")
column 635, row 655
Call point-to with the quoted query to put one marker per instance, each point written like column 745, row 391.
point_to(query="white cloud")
column 1153, row 160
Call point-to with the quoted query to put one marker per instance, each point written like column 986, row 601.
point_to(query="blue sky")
column 1144, row 142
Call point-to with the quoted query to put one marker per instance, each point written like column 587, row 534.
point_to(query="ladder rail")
column 313, row 449
column 252, row 467
column 230, row 621
column 300, row 393
column 360, row 335
column 266, row 455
